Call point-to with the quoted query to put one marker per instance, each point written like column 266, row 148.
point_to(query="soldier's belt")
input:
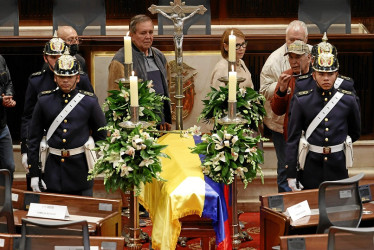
column 327, row 149
column 66, row 152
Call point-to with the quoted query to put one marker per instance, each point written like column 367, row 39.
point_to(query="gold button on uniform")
column 65, row 130
column 329, row 93
column 327, row 129
column 63, row 95
column 64, row 140
column 326, row 119
column 323, row 93
column 326, row 99
column 326, row 139
column 65, row 121
column 66, row 101
column 62, row 160
column 325, row 158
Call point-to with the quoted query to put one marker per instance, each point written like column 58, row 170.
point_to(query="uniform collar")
column 326, row 93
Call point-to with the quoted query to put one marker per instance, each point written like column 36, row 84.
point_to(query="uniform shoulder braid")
column 345, row 78
column 346, row 92
column 305, row 92
column 47, row 92
column 304, row 76
column 38, row 73
column 88, row 93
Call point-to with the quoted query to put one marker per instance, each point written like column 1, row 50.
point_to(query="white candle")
column 232, row 48
column 232, row 86
column 128, row 49
column 134, row 101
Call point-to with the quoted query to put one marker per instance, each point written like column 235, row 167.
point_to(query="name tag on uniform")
column 48, row 211
column 299, row 210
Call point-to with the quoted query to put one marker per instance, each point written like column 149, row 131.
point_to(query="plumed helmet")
column 66, row 65
column 55, row 46
column 325, row 56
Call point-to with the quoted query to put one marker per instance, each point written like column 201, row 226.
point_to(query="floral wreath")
column 129, row 158
column 249, row 106
column 232, row 149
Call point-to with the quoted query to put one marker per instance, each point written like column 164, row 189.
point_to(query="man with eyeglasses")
column 272, row 69
column 149, row 63
column 72, row 41
column 70, row 36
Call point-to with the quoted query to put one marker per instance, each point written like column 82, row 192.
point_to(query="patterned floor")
column 251, row 223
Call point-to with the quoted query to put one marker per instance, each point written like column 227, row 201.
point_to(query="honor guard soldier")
column 69, row 116
column 323, row 123
column 43, row 81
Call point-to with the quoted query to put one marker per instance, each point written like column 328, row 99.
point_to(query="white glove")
column 292, row 184
column 24, row 162
column 35, row 184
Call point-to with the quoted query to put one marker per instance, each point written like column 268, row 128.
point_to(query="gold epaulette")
column 346, row 92
column 38, row 73
column 47, row 92
column 304, row 77
column 345, row 78
column 86, row 93
column 305, row 92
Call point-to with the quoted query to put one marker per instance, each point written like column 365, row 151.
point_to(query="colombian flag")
column 187, row 191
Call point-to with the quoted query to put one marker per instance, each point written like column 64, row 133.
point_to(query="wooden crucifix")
column 176, row 13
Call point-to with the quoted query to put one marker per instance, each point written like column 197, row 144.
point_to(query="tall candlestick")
column 232, row 47
column 232, row 86
column 128, row 49
column 134, row 101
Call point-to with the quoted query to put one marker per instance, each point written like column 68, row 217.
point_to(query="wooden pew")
column 195, row 227
column 311, row 241
column 103, row 215
column 10, row 241
column 274, row 223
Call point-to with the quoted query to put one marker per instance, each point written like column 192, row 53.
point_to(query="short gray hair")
column 297, row 24
column 138, row 19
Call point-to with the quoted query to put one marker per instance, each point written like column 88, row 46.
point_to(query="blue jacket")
column 342, row 120
column 38, row 82
column 66, row 175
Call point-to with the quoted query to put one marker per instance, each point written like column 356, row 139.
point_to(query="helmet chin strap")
column 50, row 66
column 74, row 85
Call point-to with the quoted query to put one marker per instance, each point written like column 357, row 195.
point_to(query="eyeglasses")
column 75, row 40
column 243, row 45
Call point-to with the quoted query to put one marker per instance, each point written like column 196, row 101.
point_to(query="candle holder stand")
column 134, row 241
column 134, row 122
column 133, row 238
column 127, row 73
column 231, row 118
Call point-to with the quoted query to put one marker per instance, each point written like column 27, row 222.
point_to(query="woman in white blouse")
column 221, row 68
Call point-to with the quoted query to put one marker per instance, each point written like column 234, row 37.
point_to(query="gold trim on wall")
column 98, row 54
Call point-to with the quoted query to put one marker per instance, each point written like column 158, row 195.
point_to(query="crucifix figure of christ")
column 176, row 13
